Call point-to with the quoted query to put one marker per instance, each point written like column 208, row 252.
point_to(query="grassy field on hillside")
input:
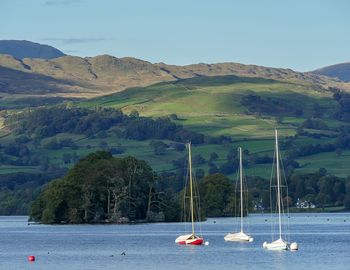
column 212, row 106
column 335, row 164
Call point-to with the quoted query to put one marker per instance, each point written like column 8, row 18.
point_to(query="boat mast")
column 241, row 182
column 191, row 186
column 278, row 186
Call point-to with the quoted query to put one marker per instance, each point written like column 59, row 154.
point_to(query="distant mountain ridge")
column 340, row 71
column 36, row 69
column 26, row 49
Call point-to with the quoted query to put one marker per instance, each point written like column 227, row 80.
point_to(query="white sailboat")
column 280, row 243
column 192, row 238
column 240, row 236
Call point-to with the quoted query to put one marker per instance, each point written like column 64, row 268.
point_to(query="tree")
column 159, row 147
column 97, row 188
column 213, row 168
column 347, row 202
column 213, row 156
column 198, row 160
column 216, row 191
column 134, row 114
column 67, row 158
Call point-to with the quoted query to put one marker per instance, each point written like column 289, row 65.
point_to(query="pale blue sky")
column 302, row 35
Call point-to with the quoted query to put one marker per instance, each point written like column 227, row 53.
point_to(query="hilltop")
column 77, row 77
column 26, row 49
column 340, row 71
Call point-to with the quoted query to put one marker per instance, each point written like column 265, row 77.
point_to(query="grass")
column 337, row 165
column 4, row 169
column 212, row 106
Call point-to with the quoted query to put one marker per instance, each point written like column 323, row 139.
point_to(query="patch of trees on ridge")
column 343, row 110
column 46, row 122
column 271, row 106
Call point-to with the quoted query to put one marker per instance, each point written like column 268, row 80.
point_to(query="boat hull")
column 277, row 245
column 189, row 239
column 238, row 237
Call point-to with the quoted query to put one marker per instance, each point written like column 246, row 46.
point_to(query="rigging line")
column 287, row 232
column 198, row 207
column 271, row 196
column 237, row 204
column 287, row 190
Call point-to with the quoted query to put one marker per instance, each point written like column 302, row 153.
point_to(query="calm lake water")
column 324, row 243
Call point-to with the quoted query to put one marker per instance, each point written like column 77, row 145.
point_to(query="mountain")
column 26, row 49
column 71, row 76
column 340, row 71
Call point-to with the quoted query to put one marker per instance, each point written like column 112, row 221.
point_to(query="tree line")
column 48, row 121
column 101, row 188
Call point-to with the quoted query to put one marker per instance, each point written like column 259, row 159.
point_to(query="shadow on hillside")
column 18, row 82
column 222, row 80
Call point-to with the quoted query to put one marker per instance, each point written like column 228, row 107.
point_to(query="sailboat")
column 280, row 243
column 240, row 236
column 192, row 238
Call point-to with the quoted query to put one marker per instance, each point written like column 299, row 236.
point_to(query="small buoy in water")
column 31, row 258
column 294, row 246
column 206, row 243
column 265, row 220
column 327, row 219
column 344, row 220
column 214, row 221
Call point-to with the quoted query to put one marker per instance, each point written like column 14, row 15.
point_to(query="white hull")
column 238, row 237
column 277, row 245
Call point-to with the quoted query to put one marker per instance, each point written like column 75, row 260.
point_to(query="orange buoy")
column 31, row 258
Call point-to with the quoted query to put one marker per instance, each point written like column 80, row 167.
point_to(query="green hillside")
column 212, row 106
column 220, row 113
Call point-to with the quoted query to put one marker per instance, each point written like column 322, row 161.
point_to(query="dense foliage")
column 101, row 188
column 18, row 190
column 46, row 122
column 270, row 105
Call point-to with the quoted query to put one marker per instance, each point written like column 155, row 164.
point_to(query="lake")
column 324, row 243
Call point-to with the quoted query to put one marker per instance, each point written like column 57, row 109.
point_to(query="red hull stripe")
column 196, row 242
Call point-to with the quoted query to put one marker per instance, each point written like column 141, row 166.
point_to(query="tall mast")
column 278, row 186
column 191, row 186
column 241, row 183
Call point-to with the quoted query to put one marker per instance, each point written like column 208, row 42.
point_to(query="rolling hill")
column 76, row 77
column 340, row 71
column 214, row 106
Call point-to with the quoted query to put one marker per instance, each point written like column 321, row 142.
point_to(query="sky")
column 299, row 34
